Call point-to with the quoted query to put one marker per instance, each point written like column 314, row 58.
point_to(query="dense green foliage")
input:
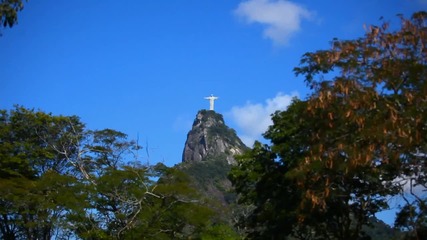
column 59, row 180
column 9, row 12
column 210, row 177
column 211, row 170
column 378, row 230
column 359, row 138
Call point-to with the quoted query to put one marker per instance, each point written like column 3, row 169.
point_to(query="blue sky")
column 144, row 67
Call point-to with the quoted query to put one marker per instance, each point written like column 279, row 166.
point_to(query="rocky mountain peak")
column 210, row 138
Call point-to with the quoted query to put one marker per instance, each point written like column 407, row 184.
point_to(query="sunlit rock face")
column 210, row 138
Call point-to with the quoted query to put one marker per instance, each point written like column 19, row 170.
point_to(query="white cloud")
column 281, row 18
column 253, row 119
column 409, row 186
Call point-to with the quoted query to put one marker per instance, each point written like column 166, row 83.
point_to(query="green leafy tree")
column 116, row 200
column 255, row 179
column 60, row 180
column 34, row 178
column 128, row 205
column 356, row 139
column 9, row 12
column 412, row 220
column 272, row 198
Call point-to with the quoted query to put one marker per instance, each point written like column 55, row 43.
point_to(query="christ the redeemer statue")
column 211, row 99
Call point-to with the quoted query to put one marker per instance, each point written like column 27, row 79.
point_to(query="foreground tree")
column 9, row 12
column 37, row 187
column 59, row 180
column 356, row 140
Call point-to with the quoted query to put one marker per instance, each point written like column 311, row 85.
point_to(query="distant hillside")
column 208, row 155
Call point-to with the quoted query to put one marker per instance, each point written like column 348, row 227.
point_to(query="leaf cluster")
column 9, row 12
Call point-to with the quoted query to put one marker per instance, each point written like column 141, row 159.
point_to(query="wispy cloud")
column 281, row 18
column 253, row 119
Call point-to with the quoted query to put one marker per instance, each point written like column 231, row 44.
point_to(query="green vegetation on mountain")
column 208, row 171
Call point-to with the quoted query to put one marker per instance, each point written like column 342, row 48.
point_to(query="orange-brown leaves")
column 372, row 108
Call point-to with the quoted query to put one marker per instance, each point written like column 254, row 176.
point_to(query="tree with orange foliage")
column 360, row 135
